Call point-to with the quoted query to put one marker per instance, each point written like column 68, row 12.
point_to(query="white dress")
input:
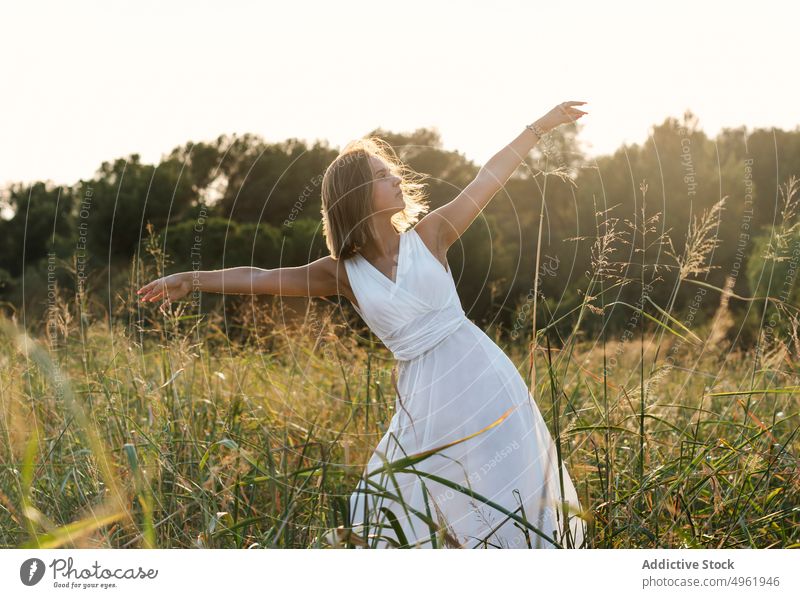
column 453, row 382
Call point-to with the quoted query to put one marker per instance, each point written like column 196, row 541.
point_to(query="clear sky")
column 90, row 81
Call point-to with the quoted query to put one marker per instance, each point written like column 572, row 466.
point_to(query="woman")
column 467, row 460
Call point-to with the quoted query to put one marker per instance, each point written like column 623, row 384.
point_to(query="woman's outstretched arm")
column 317, row 279
column 455, row 217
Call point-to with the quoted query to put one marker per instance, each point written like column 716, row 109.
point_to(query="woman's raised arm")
column 453, row 218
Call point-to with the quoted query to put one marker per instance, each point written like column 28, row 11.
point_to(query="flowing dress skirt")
column 459, row 387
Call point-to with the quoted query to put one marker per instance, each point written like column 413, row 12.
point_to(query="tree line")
column 240, row 200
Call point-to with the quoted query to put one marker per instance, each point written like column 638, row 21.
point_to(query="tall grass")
column 137, row 429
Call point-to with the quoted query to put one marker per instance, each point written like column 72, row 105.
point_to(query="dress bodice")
column 415, row 312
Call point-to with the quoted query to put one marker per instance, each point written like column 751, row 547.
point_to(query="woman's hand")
column 561, row 114
column 170, row 288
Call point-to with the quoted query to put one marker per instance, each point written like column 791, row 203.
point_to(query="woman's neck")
column 386, row 245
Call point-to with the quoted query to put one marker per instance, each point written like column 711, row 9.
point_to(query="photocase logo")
column 31, row 572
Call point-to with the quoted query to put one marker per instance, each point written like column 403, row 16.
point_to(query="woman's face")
column 387, row 198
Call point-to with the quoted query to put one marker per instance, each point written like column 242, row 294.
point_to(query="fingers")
column 153, row 294
column 149, row 286
column 573, row 113
column 153, row 290
column 144, row 292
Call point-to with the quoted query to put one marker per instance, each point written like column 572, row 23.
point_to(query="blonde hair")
column 347, row 196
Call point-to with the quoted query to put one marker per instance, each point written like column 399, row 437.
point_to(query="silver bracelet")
column 536, row 129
